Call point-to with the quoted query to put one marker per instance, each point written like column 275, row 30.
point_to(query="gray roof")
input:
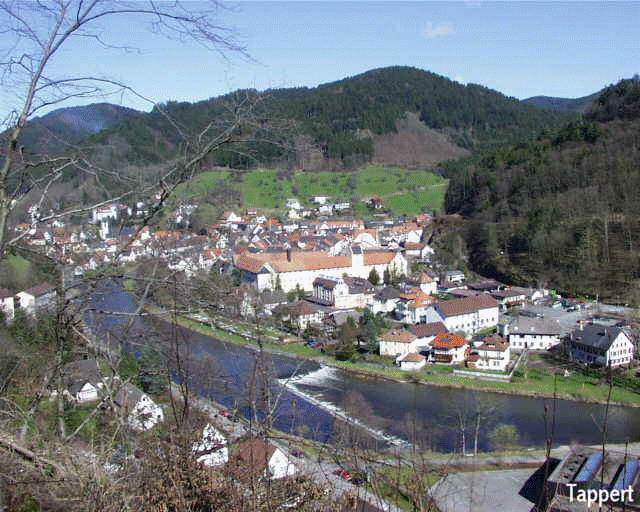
column 529, row 325
column 388, row 292
column 78, row 373
column 596, row 336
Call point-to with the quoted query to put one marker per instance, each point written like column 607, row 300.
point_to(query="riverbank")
column 576, row 387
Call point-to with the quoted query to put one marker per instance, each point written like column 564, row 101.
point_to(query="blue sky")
column 522, row 49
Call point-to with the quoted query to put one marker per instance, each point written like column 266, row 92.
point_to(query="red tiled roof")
column 398, row 336
column 378, row 257
column 413, row 357
column 430, row 329
column 313, row 260
column 467, row 305
column 40, row 289
column 496, row 343
column 448, row 341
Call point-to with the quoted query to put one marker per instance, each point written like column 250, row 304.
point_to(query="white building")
column 494, row 354
column 531, row 333
column 397, row 343
column 469, row 315
column 260, row 458
column 343, row 292
column 6, row 304
column 141, row 411
column 212, row 449
column 105, row 213
column 412, row 361
column 37, row 299
column 602, row 346
column 294, row 268
column 448, row 348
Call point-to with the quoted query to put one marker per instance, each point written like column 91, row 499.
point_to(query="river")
column 329, row 404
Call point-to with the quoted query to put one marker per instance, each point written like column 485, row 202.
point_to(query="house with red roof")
column 397, row 343
column 300, row 268
column 448, row 348
column 494, row 354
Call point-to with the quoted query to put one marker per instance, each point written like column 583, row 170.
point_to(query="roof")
column 77, row 373
column 40, row 289
column 378, row 257
column 128, row 396
column 428, row 330
column 398, row 336
column 412, row 357
column 596, row 336
column 388, row 292
column 5, row 294
column 330, row 284
column 448, row 341
column 467, row 305
column 312, row 260
column 252, row 457
column 302, row 308
column 529, row 325
column 494, row 343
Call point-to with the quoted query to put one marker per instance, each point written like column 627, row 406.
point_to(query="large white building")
column 601, row 345
column 292, row 268
column 531, row 333
column 469, row 315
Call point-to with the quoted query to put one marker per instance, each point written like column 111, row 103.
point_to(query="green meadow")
column 403, row 191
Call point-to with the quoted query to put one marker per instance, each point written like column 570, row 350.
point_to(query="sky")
column 521, row 49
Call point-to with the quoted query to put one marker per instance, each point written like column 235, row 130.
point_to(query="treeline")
column 562, row 210
column 340, row 119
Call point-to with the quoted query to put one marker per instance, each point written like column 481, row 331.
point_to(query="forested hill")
column 53, row 132
column 571, row 104
column 343, row 121
column 564, row 209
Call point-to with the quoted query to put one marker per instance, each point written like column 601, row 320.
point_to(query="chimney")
column 289, row 255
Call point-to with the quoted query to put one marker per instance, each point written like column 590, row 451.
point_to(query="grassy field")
column 403, row 192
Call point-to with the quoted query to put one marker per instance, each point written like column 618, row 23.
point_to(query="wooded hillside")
column 564, row 209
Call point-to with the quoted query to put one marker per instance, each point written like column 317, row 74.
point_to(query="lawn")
column 263, row 189
column 404, row 192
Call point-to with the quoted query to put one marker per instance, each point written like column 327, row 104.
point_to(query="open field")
column 403, row 192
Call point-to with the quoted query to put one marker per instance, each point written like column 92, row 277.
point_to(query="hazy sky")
column 522, row 49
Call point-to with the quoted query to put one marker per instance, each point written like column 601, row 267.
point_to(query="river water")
column 329, row 404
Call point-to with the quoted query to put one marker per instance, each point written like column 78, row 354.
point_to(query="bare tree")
column 37, row 34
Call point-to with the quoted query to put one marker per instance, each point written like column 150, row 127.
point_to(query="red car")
column 342, row 473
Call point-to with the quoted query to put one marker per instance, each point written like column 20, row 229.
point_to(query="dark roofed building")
column 601, row 345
